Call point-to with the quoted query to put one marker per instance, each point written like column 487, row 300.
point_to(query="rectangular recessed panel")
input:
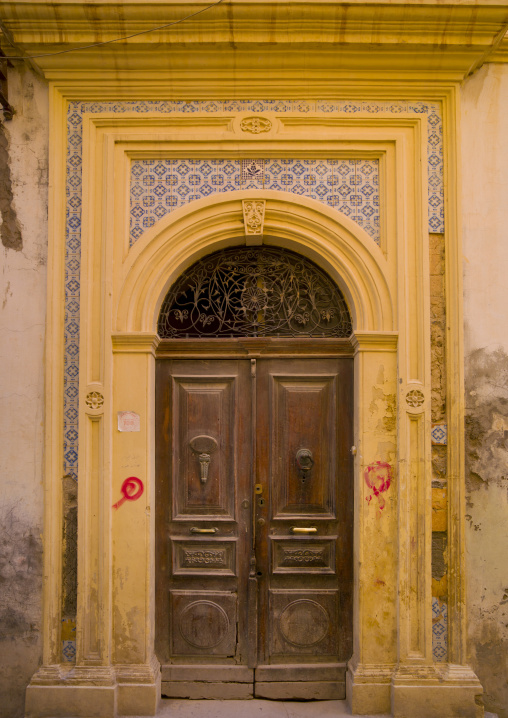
column 204, row 460
column 297, row 555
column 203, row 623
column 303, row 622
column 203, row 558
column 304, row 416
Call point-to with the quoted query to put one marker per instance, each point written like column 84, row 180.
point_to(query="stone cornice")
column 445, row 40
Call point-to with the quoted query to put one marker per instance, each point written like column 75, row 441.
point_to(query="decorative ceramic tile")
column 345, row 195
column 439, row 434
column 160, row 186
column 439, row 630
column 68, row 651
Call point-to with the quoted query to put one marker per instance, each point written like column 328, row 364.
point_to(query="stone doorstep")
column 254, row 708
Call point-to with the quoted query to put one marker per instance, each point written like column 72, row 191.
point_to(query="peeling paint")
column 437, row 326
column 487, row 418
column 439, row 561
column 384, row 404
column 10, row 231
column 69, row 549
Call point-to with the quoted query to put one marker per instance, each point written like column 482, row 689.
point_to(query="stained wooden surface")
column 254, row 592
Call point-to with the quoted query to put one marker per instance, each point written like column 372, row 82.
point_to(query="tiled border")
column 77, row 109
column 439, row 630
column 73, row 216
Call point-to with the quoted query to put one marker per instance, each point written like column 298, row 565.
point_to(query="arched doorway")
column 254, row 479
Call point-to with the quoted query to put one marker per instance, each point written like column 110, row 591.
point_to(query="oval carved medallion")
column 304, row 623
column 203, row 624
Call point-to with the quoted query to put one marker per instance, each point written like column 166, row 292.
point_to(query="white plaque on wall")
column 128, row 421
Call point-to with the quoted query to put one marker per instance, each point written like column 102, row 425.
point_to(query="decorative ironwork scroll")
column 254, row 292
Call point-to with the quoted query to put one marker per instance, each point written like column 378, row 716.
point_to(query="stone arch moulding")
column 326, row 236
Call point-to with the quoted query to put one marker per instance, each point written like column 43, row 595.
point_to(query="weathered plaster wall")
column 485, row 227
column 23, row 235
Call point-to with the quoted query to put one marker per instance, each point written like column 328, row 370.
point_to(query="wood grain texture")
column 287, row 606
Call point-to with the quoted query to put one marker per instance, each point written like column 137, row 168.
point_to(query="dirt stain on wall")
column 487, row 506
column 10, row 231
column 20, row 605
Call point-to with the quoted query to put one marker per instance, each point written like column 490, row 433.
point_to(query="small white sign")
column 128, row 421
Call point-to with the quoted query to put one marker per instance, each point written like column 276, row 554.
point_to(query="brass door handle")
column 195, row 530
column 303, row 530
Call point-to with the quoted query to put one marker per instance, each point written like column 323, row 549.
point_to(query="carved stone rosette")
column 94, row 400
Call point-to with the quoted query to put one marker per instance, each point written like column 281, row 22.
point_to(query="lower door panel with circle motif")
column 254, row 527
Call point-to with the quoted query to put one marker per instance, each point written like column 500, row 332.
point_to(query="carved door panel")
column 304, row 520
column 203, row 466
column 254, row 552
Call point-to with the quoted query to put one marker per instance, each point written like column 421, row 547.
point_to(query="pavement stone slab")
column 256, row 708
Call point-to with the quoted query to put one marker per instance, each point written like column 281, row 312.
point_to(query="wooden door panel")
column 303, row 623
column 204, row 539
column 238, row 584
column 203, row 623
column 303, row 416
column 299, row 555
column 303, row 544
column 196, row 557
column 204, row 407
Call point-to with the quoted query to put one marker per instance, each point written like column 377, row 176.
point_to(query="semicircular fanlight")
column 254, row 292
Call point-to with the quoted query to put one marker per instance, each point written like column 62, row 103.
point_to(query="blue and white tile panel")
column 439, row 630
column 73, row 219
column 161, row 186
column 439, row 434
column 68, row 651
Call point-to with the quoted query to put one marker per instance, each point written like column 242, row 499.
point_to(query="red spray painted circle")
column 132, row 489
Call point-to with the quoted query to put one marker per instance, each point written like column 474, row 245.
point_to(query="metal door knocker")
column 203, row 446
column 305, row 462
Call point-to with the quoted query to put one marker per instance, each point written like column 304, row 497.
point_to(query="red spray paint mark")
column 378, row 477
column 132, row 488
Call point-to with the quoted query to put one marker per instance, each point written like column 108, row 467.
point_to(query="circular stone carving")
column 203, row 624
column 415, row 398
column 94, row 400
column 304, row 623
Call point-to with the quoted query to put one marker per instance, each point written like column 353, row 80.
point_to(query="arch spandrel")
column 324, row 235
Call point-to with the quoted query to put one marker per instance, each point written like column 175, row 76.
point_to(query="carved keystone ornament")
column 254, row 216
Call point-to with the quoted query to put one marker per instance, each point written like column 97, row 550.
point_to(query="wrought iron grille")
column 254, row 292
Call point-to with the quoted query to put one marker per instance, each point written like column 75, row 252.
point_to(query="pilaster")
column 375, row 618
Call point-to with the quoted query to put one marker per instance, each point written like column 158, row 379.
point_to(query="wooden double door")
column 254, row 527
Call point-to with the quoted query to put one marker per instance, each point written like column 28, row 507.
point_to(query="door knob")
column 304, row 461
column 203, row 446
